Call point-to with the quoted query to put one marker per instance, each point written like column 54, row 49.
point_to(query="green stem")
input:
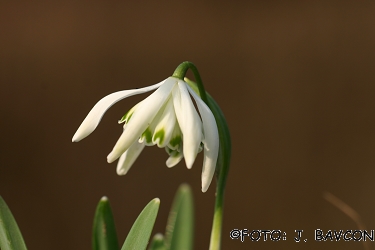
column 217, row 225
column 180, row 73
column 222, row 168
column 222, row 165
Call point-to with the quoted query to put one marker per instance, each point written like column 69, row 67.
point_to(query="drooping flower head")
column 167, row 118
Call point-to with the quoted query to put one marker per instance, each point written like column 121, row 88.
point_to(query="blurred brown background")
column 294, row 79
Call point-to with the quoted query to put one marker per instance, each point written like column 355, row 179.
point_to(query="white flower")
column 166, row 118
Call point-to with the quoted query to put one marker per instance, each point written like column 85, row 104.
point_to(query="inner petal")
column 175, row 141
column 141, row 119
column 165, row 127
column 129, row 114
column 174, row 157
column 147, row 135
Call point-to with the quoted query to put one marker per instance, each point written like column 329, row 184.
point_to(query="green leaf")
column 157, row 243
column 104, row 236
column 140, row 232
column 180, row 228
column 10, row 234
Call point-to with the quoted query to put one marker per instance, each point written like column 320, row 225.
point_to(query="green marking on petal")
column 168, row 150
column 171, row 152
column 175, row 142
column 128, row 114
column 147, row 135
column 159, row 137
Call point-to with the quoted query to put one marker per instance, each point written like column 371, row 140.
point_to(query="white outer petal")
column 128, row 158
column 141, row 119
column 211, row 141
column 191, row 126
column 93, row 118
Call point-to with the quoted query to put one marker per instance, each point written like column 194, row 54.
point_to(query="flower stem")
column 223, row 161
column 217, row 225
column 222, row 169
column 180, row 73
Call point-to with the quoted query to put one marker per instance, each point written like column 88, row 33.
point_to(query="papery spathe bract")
column 167, row 118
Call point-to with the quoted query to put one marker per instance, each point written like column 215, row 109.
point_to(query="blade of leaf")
column 180, row 228
column 157, row 243
column 140, row 232
column 10, row 234
column 104, row 236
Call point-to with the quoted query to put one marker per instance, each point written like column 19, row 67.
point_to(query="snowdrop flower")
column 167, row 118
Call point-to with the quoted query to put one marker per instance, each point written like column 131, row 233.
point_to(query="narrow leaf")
column 10, row 234
column 104, row 236
column 180, row 228
column 157, row 243
column 140, row 232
